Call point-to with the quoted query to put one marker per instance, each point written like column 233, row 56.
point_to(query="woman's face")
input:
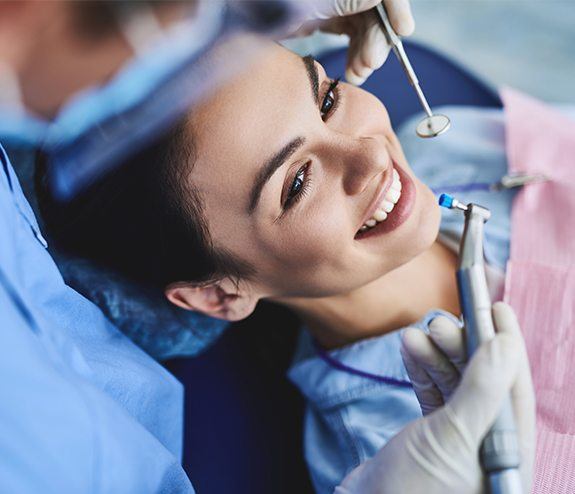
column 290, row 168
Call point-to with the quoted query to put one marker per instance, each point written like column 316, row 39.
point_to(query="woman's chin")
column 430, row 219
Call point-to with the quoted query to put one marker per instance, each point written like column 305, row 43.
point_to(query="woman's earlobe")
column 221, row 299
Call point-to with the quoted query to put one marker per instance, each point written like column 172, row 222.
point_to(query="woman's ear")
column 223, row 299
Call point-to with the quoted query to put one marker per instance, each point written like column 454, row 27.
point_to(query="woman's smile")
column 324, row 162
column 393, row 205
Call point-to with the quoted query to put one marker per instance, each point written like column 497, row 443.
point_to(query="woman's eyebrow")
column 269, row 168
column 312, row 73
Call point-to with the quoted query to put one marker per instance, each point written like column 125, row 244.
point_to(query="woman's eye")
column 297, row 184
column 329, row 100
column 327, row 104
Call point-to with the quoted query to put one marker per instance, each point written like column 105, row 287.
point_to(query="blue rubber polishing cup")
column 446, row 201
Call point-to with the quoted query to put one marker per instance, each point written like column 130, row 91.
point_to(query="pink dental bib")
column 540, row 278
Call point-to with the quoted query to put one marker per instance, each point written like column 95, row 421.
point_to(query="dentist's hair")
column 97, row 18
column 144, row 219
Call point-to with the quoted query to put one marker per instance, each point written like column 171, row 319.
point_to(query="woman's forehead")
column 254, row 96
column 256, row 112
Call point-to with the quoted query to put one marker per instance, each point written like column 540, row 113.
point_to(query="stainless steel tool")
column 433, row 124
column 500, row 455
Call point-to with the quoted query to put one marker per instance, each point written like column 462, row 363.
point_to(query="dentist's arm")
column 368, row 47
column 439, row 453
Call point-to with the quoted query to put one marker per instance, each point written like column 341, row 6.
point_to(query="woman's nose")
column 364, row 160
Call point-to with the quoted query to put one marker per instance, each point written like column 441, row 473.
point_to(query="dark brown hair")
column 144, row 219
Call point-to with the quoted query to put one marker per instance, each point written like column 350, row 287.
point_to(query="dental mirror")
column 433, row 125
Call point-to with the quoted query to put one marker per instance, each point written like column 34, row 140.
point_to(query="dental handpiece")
column 500, row 456
column 432, row 125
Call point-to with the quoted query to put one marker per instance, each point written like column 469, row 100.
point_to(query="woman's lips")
column 401, row 211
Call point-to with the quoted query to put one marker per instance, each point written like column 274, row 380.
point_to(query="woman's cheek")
column 317, row 238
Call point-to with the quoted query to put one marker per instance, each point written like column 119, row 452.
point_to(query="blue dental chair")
column 243, row 418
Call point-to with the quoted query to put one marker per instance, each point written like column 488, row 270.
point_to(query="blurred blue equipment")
column 500, row 455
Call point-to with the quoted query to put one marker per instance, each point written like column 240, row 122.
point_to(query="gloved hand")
column 368, row 47
column 439, row 453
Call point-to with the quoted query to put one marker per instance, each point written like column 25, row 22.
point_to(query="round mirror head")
column 433, row 126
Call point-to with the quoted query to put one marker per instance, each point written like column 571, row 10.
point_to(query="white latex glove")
column 368, row 47
column 439, row 453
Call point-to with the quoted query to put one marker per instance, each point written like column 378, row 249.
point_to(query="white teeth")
column 391, row 198
column 393, row 195
column 387, row 205
column 380, row 215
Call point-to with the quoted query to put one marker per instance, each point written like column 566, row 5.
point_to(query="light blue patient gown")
column 350, row 417
column 82, row 409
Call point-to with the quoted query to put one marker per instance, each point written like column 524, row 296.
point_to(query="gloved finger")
column 430, row 358
column 400, row 16
column 506, row 322
column 325, row 9
column 486, row 382
column 428, row 394
column 368, row 50
column 450, row 339
column 522, row 395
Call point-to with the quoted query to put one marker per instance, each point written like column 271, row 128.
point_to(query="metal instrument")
column 514, row 180
column 500, row 456
column 432, row 125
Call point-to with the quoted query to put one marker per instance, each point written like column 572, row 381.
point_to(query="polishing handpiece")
column 500, row 455
column 432, row 125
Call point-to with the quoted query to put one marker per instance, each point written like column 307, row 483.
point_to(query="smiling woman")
column 301, row 163
column 285, row 185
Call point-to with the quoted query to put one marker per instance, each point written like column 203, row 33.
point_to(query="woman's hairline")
column 190, row 199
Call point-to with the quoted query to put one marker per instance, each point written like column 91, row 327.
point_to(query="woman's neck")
column 395, row 300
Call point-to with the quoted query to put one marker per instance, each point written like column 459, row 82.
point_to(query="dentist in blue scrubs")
column 82, row 409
